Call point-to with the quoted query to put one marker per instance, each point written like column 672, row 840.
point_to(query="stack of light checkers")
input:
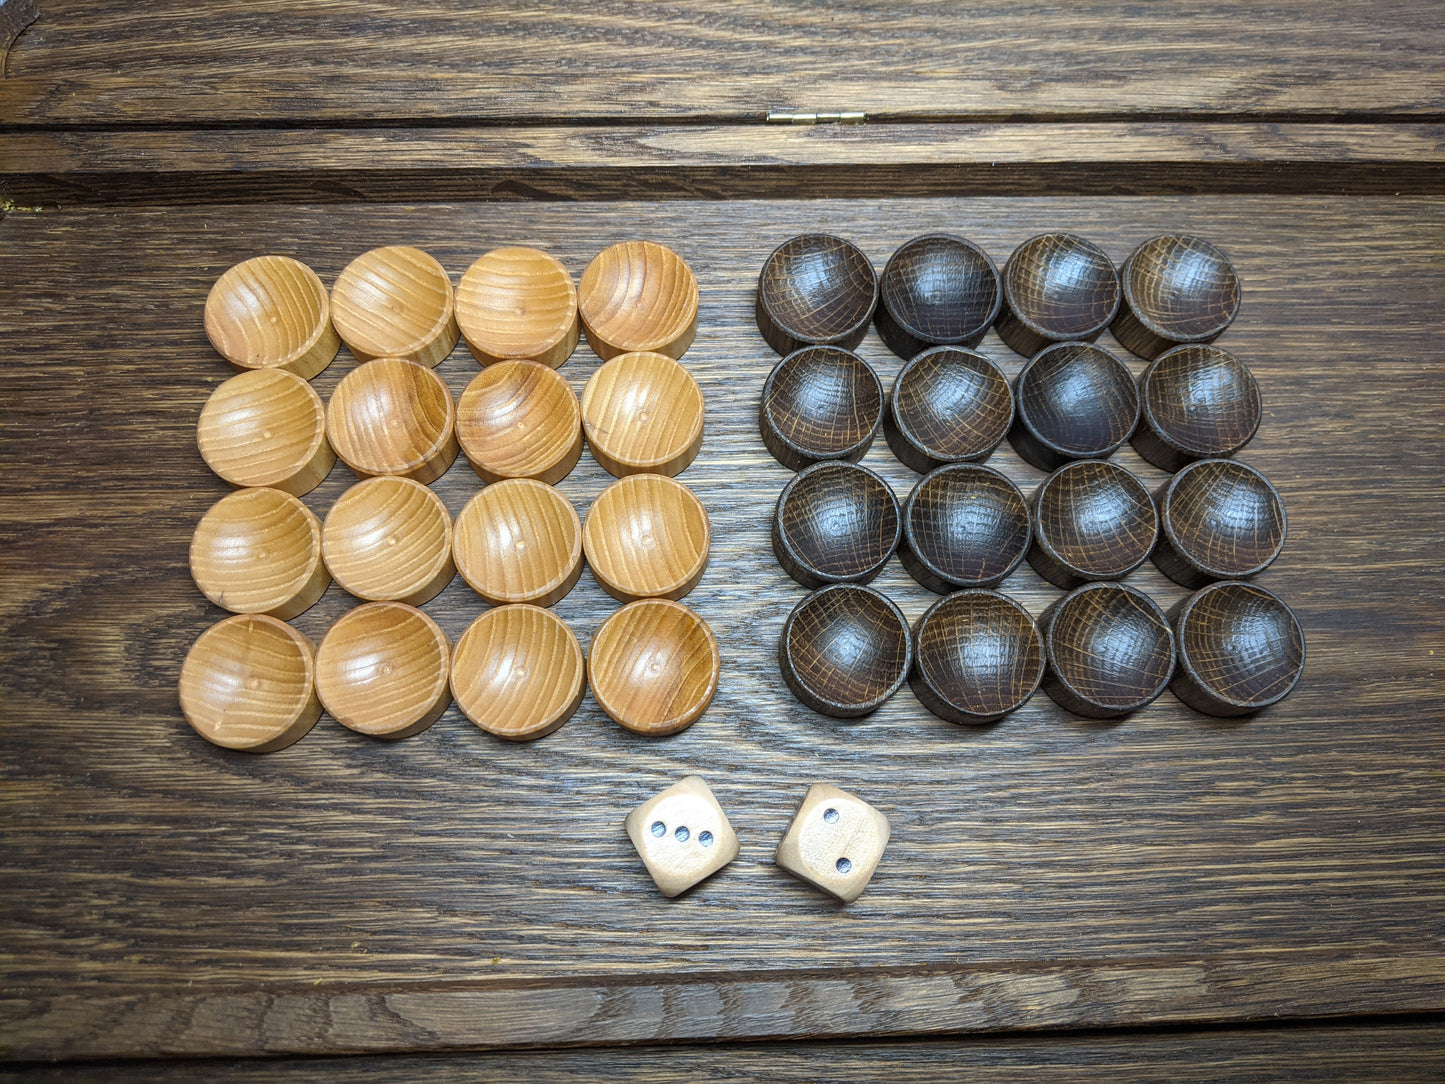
column 253, row 682
column 1104, row 649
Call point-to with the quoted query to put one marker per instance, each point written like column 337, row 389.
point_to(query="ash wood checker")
column 1306, row 801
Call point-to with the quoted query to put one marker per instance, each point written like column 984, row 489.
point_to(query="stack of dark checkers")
column 1104, row 648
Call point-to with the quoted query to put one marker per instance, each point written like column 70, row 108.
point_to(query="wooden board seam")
column 357, row 1018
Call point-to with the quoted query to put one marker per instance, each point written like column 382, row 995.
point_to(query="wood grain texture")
column 844, row 650
column 1219, row 519
column 1072, row 401
column 1056, row 287
column 835, row 523
column 519, row 419
column 654, row 666
column 643, row 414
column 964, row 525
column 518, row 672
column 342, row 165
column 518, row 302
column 977, row 656
column 1092, row 520
column 249, row 683
column 389, row 539
column 1195, row 402
column 392, row 416
column 396, row 302
column 1191, row 871
column 266, row 428
column 820, row 403
column 1177, row 289
column 936, row 289
column 815, row 289
column 382, row 670
column 948, row 405
column 647, row 536
column 1240, row 649
column 1389, row 1051
column 107, row 62
column 638, row 296
column 1108, row 650
column 518, row 540
column 272, row 312
column 258, row 551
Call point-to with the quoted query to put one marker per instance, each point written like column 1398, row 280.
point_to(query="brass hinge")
column 817, row 118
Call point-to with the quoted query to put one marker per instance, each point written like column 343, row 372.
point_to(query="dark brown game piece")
column 1195, row 402
column 1219, row 519
column 1108, row 649
column 976, row 657
column 1241, row 649
column 1093, row 520
column 1177, row 290
column 835, row 523
column 1056, row 288
column 949, row 405
column 816, row 289
column 820, row 402
column 937, row 290
column 964, row 525
column 845, row 650
column 1072, row 401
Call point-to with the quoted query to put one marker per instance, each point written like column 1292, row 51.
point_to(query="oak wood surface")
column 70, row 166
column 1394, row 1052
column 110, row 61
column 165, row 896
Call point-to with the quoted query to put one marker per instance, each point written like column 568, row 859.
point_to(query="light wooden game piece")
column 643, row 414
column 248, row 683
column 389, row 539
column 393, row 416
column 266, row 427
column 518, row 419
column 518, row 673
column 396, row 302
column 518, row 302
column 259, row 551
column 638, row 295
column 382, row 670
column 271, row 312
column 834, row 842
column 654, row 667
column 518, row 541
column 683, row 835
column 646, row 536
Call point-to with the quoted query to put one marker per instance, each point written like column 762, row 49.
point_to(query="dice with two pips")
column 834, row 842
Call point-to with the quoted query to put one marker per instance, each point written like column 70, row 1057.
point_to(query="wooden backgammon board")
column 1138, row 889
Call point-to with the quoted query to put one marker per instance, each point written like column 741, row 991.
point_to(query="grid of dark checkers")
column 1105, row 648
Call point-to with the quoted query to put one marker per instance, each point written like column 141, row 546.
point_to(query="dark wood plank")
column 166, row 896
column 1385, row 1052
column 71, row 167
column 107, row 62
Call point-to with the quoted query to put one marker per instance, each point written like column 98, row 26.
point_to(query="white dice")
column 834, row 842
column 684, row 836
